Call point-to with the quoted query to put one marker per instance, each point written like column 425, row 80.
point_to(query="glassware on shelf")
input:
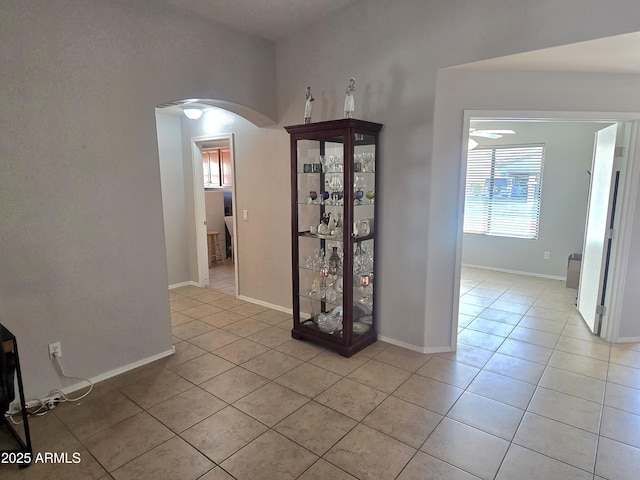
column 333, row 264
column 358, row 256
column 357, row 162
column 370, row 196
column 368, row 162
column 325, row 163
column 330, row 322
column 358, row 184
column 335, row 184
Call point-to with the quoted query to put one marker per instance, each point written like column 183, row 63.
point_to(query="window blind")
column 503, row 191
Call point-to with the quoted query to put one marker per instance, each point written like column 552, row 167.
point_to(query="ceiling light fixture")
column 193, row 113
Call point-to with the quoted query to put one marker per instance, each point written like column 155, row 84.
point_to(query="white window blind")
column 503, row 191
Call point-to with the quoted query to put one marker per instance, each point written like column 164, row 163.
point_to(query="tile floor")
column 530, row 394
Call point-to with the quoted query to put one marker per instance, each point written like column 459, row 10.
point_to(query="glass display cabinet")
column 334, row 191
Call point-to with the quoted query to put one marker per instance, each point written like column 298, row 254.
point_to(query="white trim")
column 266, row 304
column 415, row 348
column 234, row 204
column 200, row 210
column 200, row 217
column 130, row 366
column 184, row 284
column 629, row 185
column 515, row 272
column 628, row 340
column 115, row 372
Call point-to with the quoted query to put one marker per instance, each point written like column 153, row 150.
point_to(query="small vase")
column 334, row 262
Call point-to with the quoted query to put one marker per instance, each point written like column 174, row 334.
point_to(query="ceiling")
column 269, row 19
column 619, row 54
column 276, row 19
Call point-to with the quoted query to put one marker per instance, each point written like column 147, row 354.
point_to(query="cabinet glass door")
column 364, row 191
column 321, row 232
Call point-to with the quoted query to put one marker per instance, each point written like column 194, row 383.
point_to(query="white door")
column 596, row 240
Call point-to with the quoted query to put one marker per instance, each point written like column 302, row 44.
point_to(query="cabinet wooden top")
column 343, row 123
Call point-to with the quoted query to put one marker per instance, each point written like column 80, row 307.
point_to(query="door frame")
column 630, row 175
column 621, row 245
column 200, row 210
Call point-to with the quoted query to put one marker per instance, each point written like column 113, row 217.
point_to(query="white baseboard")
column 118, row 371
column 266, row 304
column 414, row 348
column 627, row 340
column 515, row 272
column 184, row 284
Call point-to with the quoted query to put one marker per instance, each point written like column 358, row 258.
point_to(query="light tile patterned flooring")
column 530, row 394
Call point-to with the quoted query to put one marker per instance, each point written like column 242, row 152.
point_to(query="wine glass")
column 358, row 184
column 335, row 184
column 370, row 195
column 325, row 163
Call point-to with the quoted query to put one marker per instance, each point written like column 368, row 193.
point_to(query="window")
column 502, row 196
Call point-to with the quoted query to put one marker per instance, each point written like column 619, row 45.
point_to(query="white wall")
column 82, row 243
column 214, row 206
column 173, row 200
column 565, row 187
column 519, row 91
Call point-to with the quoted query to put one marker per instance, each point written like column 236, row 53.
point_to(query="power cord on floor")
column 54, row 397
column 63, row 396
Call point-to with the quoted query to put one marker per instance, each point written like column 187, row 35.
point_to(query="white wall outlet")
column 547, row 255
column 245, row 214
column 55, row 350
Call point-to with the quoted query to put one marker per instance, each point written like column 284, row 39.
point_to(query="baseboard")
column 515, row 272
column 414, row 348
column 627, row 340
column 266, row 304
column 184, row 284
column 119, row 371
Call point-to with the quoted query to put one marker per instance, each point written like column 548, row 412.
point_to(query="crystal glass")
column 370, row 195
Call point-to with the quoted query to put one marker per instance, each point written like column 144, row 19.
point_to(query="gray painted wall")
column 82, row 243
column 565, row 189
column 82, row 240
column 394, row 49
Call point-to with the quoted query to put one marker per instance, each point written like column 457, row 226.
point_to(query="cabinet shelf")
column 334, row 156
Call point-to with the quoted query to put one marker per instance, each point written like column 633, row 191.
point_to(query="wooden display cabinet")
column 334, row 189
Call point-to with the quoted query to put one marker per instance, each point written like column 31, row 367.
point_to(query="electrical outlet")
column 245, row 214
column 55, row 350
column 547, row 255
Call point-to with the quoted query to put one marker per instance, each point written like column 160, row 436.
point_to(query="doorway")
column 562, row 219
column 214, row 170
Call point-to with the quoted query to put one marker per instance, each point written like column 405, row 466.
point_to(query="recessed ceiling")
column 269, row 19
